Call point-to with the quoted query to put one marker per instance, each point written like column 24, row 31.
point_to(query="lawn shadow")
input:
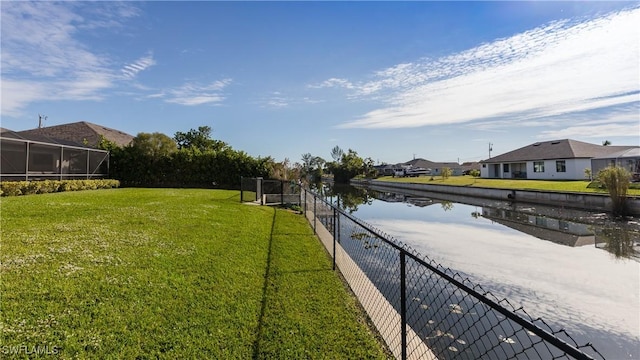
column 265, row 285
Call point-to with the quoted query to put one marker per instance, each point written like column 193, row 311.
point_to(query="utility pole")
column 41, row 119
column 490, row 148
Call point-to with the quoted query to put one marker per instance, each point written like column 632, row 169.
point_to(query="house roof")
column 428, row 164
column 633, row 152
column 557, row 149
column 83, row 133
column 8, row 134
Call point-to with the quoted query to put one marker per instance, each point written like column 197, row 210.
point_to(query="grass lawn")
column 545, row 185
column 168, row 273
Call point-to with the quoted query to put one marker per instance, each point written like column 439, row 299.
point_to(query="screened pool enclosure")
column 48, row 159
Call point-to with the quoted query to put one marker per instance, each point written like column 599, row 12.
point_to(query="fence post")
column 241, row 188
column 282, row 192
column 403, row 305
column 314, row 214
column 335, row 232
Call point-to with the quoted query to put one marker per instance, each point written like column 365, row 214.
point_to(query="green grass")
column 166, row 273
column 545, row 185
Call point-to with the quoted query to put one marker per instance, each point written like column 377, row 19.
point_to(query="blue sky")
column 390, row 80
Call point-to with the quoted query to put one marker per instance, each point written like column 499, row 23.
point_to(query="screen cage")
column 22, row 159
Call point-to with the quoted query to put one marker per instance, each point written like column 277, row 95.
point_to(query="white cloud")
column 630, row 129
column 191, row 94
column 131, row 70
column 558, row 69
column 333, row 83
column 40, row 53
column 277, row 100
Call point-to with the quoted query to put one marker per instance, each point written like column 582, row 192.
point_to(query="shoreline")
column 576, row 200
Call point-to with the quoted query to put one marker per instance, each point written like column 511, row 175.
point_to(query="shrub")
column 11, row 188
column 15, row 188
column 616, row 180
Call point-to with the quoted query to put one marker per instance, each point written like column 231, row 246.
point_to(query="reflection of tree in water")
column 620, row 240
column 349, row 197
column 447, row 205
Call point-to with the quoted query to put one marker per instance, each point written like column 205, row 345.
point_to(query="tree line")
column 345, row 166
column 189, row 159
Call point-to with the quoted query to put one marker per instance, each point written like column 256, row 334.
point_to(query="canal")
column 577, row 270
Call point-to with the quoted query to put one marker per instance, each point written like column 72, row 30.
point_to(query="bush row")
column 185, row 168
column 14, row 188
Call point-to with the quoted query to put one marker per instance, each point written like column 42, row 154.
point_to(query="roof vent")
column 536, row 144
column 555, row 142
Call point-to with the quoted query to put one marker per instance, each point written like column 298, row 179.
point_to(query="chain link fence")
column 426, row 311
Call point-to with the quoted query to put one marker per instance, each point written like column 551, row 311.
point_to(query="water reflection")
column 562, row 226
column 619, row 238
column 347, row 197
column 583, row 276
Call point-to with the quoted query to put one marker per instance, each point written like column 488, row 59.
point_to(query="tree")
column 446, row 172
column 336, row 153
column 155, row 145
column 313, row 167
column 616, row 179
column 587, row 173
column 199, row 139
column 349, row 166
column 368, row 168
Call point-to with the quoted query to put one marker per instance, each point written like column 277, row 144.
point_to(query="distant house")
column 435, row 168
column 628, row 159
column 548, row 160
column 82, row 132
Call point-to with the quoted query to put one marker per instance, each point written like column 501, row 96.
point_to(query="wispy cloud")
column 631, row 128
column 562, row 68
column 191, row 94
column 277, row 100
column 131, row 70
column 333, row 83
column 40, row 53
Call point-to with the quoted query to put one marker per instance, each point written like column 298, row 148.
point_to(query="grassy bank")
column 544, row 185
column 146, row 273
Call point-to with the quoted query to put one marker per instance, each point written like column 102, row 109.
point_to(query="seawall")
column 584, row 201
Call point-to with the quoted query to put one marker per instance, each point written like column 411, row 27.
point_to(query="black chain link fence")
column 443, row 314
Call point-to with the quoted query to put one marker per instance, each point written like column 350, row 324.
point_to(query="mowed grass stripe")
column 169, row 273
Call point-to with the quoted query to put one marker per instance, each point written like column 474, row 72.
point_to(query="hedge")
column 14, row 188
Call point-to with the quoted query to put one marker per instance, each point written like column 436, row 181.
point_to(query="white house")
column 548, row 160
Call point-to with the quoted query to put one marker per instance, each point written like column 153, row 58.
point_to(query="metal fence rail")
column 266, row 191
column 426, row 311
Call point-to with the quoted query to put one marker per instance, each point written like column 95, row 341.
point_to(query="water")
column 577, row 270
